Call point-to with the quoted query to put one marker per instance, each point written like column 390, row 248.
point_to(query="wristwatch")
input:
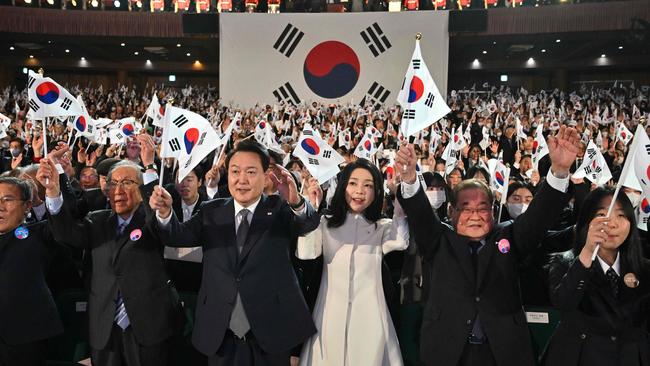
column 299, row 204
column 150, row 166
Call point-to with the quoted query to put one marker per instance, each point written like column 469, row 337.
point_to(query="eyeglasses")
column 125, row 184
column 9, row 200
column 483, row 211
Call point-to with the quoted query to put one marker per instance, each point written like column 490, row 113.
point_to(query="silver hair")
column 122, row 164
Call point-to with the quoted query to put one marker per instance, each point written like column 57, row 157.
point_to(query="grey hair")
column 122, row 164
column 24, row 187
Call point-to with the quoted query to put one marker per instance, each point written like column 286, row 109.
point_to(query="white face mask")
column 634, row 197
column 516, row 209
column 436, row 198
column 441, row 172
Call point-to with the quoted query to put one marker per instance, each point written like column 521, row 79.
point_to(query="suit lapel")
column 137, row 222
column 460, row 247
column 603, row 287
column 260, row 223
column 484, row 258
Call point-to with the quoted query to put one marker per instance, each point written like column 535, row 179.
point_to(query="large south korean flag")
column 330, row 58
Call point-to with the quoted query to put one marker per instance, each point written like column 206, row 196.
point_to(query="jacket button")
column 583, row 336
column 478, row 299
column 237, row 279
column 469, row 321
column 613, row 338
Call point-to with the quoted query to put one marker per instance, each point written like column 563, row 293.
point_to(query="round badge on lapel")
column 631, row 281
column 21, row 232
column 504, row 246
column 135, row 235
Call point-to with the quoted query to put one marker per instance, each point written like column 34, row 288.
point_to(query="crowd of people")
column 374, row 267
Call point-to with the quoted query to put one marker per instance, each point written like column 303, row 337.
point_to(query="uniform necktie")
column 238, row 321
column 477, row 335
column 612, row 278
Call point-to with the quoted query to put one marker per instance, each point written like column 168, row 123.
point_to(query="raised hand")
column 405, row 161
column 147, row 148
column 563, row 149
column 286, row 184
column 314, row 192
column 212, row 176
column 48, row 176
column 161, row 201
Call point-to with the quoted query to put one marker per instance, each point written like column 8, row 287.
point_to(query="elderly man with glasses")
column 133, row 308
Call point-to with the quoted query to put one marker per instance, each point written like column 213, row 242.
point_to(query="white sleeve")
column 149, row 177
column 396, row 234
column 54, row 204
column 561, row 184
column 410, row 189
column 162, row 223
column 211, row 191
column 310, row 246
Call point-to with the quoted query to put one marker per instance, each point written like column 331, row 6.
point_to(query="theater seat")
column 72, row 345
column 542, row 322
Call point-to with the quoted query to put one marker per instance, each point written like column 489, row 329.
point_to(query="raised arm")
column 396, row 234
column 173, row 232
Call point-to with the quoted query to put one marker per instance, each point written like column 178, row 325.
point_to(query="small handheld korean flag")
column 434, row 138
column 419, row 97
column 623, row 134
column 366, row 148
column 450, row 156
column 4, row 121
column 156, row 111
column 540, row 148
column 83, row 123
column 594, row 167
column 49, row 99
column 123, row 129
column 319, row 158
column 642, row 160
column 457, row 139
column 260, row 131
column 344, row 138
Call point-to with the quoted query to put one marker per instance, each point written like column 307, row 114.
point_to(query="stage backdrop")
column 300, row 58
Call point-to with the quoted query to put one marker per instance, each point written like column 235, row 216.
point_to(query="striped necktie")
column 121, row 317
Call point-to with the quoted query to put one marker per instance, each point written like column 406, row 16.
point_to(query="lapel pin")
column 135, row 235
column 21, row 232
column 504, row 246
column 269, row 213
column 631, row 281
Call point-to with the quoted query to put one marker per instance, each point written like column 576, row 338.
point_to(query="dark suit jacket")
column 134, row 267
column 27, row 310
column 596, row 328
column 262, row 273
column 456, row 294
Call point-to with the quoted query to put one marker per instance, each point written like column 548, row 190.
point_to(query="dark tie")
column 238, row 320
column 121, row 317
column 120, row 228
column 612, row 278
column 478, row 335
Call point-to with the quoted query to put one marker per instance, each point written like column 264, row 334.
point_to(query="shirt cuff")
column 560, row 184
column 301, row 212
column 410, row 189
column 54, row 204
column 149, row 177
column 163, row 222
column 212, row 192
column 59, row 169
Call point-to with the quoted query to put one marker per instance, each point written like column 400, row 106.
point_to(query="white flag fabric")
column 450, row 156
column 4, row 121
column 457, row 140
column 49, row 99
column 540, row 148
column 156, row 111
column 599, row 140
column 124, row 129
column 419, row 97
column 623, row 134
column 223, row 140
column 83, row 123
column 319, row 158
column 643, row 214
column 485, row 141
column 594, row 167
column 434, row 138
column 499, row 176
column 520, row 129
column 345, row 137
column 642, row 160
column 260, row 132
column 190, row 136
column 366, row 148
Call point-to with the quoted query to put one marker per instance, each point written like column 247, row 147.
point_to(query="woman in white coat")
column 354, row 325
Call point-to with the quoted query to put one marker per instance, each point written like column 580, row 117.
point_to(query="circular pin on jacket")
column 21, row 232
column 631, row 281
column 135, row 235
column 504, row 246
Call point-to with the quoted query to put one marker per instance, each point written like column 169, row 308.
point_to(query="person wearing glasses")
column 132, row 307
column 28, row 314
column 473, row 313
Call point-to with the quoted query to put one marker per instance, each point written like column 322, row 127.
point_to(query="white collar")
column 183, row 204
column 251, row 207
column 616, row 266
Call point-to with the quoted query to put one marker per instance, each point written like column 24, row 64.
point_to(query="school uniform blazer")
column 131, row 263
column 27, row 310
column 262, row 273
column 456, row 294
column 597, row 328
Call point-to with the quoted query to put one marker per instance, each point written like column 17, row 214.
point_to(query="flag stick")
column 609, row 213
column 70, row 137
column 500, row 209
column 47, row 180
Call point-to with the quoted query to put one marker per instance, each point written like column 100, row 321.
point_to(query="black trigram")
column 375, row 39
column 180, row 121
column 409, row 114
column 327, row 154
column 174, row 144
column 33, row 105
column 429, row 101
column 90, row 129
column 416, row 64
column 647, row 149
column 312, row 161
column 595, row 170
column 30, row 81
column 201, row 138
column 645, row 220
column 376, row 95
column 119, row 136
column 67, row 102
column 288, row 40
column 591, row 153
column 308, row 133
column 285, row 93
column 188, row 163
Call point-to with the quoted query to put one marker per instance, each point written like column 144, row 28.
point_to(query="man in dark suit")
column 28, row 314
column 250, row 310
column 133, row 310
column 473, row 314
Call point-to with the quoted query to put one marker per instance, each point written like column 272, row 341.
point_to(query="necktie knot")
column 474, row 246
column 612, row 277
column 120, row 228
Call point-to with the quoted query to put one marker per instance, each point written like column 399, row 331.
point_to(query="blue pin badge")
column 21, row 232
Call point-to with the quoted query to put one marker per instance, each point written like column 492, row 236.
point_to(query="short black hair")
column 18, row 140
column 23, row 186
column 251, row 146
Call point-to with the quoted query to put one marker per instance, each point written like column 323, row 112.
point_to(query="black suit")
column 597, row 328
column 28, row 313
column 262, row 274
column 135, row 268
column 456, row 294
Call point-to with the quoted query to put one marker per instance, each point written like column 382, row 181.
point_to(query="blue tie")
column 121, row 317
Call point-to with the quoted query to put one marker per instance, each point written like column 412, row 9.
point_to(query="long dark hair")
column 339, row 206
column 631, row 251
